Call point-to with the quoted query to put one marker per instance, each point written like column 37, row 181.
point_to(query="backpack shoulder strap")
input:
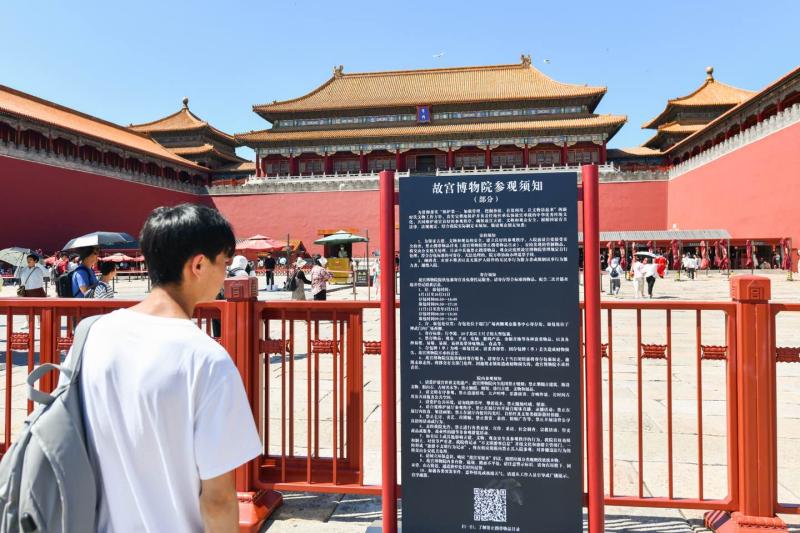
column 70, row 369
column 81, row 332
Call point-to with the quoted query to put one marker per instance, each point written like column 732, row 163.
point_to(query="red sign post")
column 594, row 378
column 388, row 355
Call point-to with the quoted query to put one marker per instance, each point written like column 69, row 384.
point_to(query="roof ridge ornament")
column 526, row 60
column 338, row 71
column 186, row 102
column 709, row 73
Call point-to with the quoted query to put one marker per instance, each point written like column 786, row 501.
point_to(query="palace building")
column 423, row 120
column 185, row 134
column 722, row 161
column 680, row 118
column 685, row 115
column 39, row 129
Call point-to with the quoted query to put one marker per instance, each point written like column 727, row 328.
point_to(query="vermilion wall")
column 753, row 192
column 300, row 215
column 623, row 206
column 632, row 205
column 42, row 206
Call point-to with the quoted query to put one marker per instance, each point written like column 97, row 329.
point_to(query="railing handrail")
column 62, row 303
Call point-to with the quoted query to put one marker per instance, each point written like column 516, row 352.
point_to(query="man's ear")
column 194, row 266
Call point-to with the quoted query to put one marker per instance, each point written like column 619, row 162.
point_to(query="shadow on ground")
column 341, row 513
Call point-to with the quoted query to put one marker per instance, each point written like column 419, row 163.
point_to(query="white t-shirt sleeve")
column 225, row 434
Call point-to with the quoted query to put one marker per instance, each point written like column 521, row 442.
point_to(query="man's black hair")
column 86, row 251
column 34, row 257
column 173, row 235
column 107, row 267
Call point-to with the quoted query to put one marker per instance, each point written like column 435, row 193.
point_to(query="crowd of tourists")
column 72, row 276
column 645, row 269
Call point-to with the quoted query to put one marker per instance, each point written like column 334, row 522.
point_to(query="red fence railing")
column 785, row 335
column 683, row 382
column 643, row 366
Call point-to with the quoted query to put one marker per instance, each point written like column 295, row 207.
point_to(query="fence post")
column 240, row 335
column 388, row 356
column 757, row 411
column 594, row 374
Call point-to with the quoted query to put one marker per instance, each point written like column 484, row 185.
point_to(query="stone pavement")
column 346, row 513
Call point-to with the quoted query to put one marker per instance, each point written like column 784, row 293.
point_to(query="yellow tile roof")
column 640, row 151
column 711, row 93
column 37, row 109
column 205, row 149
column 182, row 120
column 433, row 86
column 676, row 127
column 597, row 122
column 244, row 166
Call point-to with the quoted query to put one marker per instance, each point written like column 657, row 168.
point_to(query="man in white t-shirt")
column 650, row 270
column 167, row 417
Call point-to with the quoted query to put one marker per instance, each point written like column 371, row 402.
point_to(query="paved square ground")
column 346, row 513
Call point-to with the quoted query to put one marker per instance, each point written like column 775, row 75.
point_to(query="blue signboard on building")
column 423, row 114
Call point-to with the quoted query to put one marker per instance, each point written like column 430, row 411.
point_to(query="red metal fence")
column 673, row 389
column 648, row 351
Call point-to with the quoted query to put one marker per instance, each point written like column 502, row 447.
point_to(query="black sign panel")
column 491, row 436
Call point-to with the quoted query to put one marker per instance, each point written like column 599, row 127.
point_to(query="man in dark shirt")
column 269, row 265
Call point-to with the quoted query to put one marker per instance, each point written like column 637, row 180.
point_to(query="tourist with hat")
column 298, row 280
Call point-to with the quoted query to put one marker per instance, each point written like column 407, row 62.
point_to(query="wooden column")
column 451, row 157
column 564, row 154
column 327, row 164
column 487, row 157
column 603, row 154
column 398, row 161
column 258, row 165
column 362, row 162
column 526, row 155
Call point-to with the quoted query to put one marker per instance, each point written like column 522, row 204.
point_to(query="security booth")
column 339, row 252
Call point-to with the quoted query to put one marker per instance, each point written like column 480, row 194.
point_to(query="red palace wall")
column 302, row 214
column 753, row 192
column 42, row 206
column 632, row 206
column 623, row 206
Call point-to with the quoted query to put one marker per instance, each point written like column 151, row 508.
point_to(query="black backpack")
column 614, row 272
column 63, row 283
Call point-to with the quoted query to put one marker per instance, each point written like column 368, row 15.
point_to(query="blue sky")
column 134, row 61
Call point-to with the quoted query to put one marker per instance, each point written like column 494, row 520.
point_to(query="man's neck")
column 167, row 302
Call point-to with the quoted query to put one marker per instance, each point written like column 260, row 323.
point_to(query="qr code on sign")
column 490, row 505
